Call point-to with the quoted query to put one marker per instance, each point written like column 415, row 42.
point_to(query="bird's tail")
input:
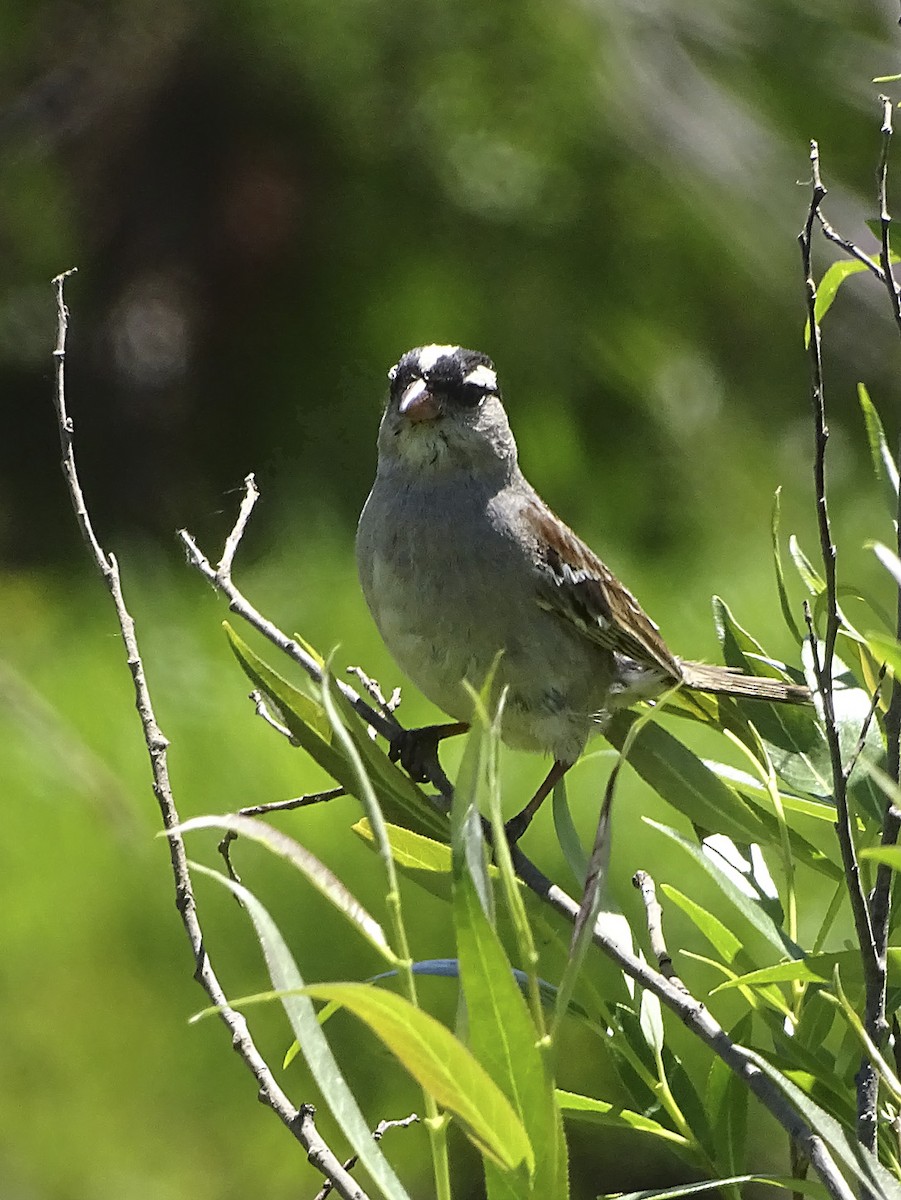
column 726, row 681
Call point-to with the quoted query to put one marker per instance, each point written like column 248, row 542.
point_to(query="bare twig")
column 850, row 248
column 262, row 810
column 823, row 664
column 377, row 1134
column 885, row 219
column 372, row 686
column 221, row 578
column 873, row 962
column 645, row 884
column 298, row 1121
column 262, row 710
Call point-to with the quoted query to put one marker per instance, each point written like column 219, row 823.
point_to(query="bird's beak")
column 418, row 403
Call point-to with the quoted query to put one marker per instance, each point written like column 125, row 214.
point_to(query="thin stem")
column 873, row 962
column 298, row 1120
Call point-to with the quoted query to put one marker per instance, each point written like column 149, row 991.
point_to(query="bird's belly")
column 556, row 683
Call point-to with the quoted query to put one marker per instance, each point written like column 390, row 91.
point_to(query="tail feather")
column 726, row 681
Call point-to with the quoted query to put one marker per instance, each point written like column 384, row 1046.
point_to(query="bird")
column 465, row 569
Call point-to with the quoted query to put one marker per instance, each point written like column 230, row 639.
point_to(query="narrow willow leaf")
column 468, row 855
column 726, row 1100
column 749, row 910
column 784, row 602
column 725, row 942
column 393, row 786
column 305, row 718
column 884, row 464
column 650, row 1018
column 819, row 968
column 396, row 791
column 751, row 787
column 567, row 835
column 827, row 289
column 317, row 873
column 809, row 576
column 410, row 849
column 287, row 980
column 849, row 1153
column 888, row 1077
column 440, row 1064
column 503, row 1037
column 599, row 1112
column 310, row 649
column 806, row 1187
column 886, row 649
column 682, row 779
column 889, row 560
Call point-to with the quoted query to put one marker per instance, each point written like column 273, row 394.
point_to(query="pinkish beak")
column 418, row 403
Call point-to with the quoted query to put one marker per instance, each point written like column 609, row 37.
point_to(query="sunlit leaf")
column 806, row 1187
column 319, row 875
column 287, row 980
column 784, row 602
column 818, row 968
column 440, row 1064
column 599, row 1112
column 884, row 464
column 805, row 568
column 681, row 778
column 727, row 1099
column 748, row 909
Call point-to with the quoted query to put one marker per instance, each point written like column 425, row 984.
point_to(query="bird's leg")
column 516, row 826
column 414, row 748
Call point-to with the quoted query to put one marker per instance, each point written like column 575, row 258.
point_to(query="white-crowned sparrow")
column 460, row 558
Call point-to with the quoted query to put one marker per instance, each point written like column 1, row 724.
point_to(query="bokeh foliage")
column 268, row 203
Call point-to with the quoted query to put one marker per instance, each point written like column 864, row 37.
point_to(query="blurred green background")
column 268, row 203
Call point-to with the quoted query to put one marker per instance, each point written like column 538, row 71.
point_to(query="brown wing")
column 582, row 590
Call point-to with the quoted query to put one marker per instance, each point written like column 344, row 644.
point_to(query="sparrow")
column 463, row 566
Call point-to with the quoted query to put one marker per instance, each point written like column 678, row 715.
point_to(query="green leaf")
column 747, row 908
column 599, row 1112
column 828, row 287
column 889, row 560
column 809, row 577
column 886, row 649
column 682, row 779
column 397, row 793
column 503, row 1038
column 819, row 968
column 851, row 705
column 411, row 850
column 468, row 855
column 286, row 979
column 441, row 1065
column 807, row 1187
column 324, row 880
column 567, row 835
column 884, row 465
column 724, row 941
column 727, row 1103
column 784, row 603
column 849, row 1153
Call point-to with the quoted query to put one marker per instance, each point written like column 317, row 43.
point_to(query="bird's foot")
column 417, row 749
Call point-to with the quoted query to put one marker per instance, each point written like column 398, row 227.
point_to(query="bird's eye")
column 474, row 387
column 470, row 394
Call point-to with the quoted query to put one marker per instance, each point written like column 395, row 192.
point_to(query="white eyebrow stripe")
column 429, row 355
column 483, row 376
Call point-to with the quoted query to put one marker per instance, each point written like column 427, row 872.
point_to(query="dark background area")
column 268, row 203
